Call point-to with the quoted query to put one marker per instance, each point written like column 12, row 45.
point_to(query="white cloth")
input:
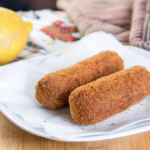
column 18, row 80
column 39, row 43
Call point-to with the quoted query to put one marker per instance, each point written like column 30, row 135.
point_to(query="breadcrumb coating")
column 54, row 89
column 105, row 97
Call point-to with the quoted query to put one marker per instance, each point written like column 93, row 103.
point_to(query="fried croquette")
column 54, row 89
column 107, row 96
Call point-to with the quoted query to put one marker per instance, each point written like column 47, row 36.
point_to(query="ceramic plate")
column 136, row 128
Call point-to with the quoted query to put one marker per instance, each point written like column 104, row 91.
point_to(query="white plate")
column 136, row 128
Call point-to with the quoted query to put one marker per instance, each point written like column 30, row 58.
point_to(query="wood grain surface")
column 14, row 138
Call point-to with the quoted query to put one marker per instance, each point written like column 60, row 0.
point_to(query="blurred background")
column 25, row 5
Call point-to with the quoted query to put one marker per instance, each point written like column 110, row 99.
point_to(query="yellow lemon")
column 13, row 35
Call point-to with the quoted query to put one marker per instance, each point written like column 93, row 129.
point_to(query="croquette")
column 107, row 96
column 54, row 89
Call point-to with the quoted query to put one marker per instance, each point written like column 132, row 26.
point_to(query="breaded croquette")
column 107, row 96
column 54, row 89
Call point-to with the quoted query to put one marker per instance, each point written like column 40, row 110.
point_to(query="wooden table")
column 14, row 138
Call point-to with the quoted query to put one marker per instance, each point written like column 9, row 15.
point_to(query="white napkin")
column 17, row 90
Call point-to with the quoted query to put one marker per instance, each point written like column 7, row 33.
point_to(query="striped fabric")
column 140, row 28
column 112, row 16
column 32, row 49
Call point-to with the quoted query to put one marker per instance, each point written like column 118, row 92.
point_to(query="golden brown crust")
column 105, row 97
column 54, row 89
